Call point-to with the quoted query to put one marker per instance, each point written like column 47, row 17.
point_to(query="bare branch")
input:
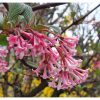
column 47, row 5
column 80, row 19
column 27, row 65
column 39, row 88
column 61, row 14
column 39, row 7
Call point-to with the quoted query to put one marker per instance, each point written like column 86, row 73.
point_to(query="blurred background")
column 69, row 20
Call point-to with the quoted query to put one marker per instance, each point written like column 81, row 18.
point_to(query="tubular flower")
column 12, row 40
column 56, row 61
column 20, row 46
column 47, row 64
column 3, row 52
column 68, row 79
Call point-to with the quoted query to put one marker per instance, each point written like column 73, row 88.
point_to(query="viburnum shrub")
column 56, row 61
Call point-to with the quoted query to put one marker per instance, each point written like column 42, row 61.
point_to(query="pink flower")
column 57, row 64
column 3, row 52
column 46, row 65
column 68, row 79
column 69, row 44
column 12, row 39
column 22, row 49
column 26, row 34
column 22, row 46
column 3, row 66
column 55, row 57
column 19, row 52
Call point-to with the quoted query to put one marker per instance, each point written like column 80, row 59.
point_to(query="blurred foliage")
column 3, row 40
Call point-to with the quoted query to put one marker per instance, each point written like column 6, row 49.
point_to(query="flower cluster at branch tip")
column 56, row 57
column 3, row 63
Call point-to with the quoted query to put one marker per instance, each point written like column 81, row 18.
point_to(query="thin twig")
column 80, row 19
column 39, row 7
column 27, row 65
column 60, row 15
column 47, row 5
column 39, row 88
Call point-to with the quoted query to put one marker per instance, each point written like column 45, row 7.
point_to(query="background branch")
column 5, row 5
column 39, row 7
column 47, row 5
column 27, row 65
column 60, row 15
column 39, row 88
column 80, row 19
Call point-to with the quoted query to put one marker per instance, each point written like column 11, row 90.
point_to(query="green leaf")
column 73, row 13
column 27, row 13
column 79, row 50
column 15, row 9
column 39, row 27
column 84, row 62
column 20, row 18
column 6, row 24
column 3, row 40
column 98, row 30
column 79, row 87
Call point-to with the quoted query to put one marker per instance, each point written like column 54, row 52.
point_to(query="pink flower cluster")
column 3, row 63
column 56, row 57
column 20, row 46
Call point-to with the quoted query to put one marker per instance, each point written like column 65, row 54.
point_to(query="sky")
column 84, row 7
